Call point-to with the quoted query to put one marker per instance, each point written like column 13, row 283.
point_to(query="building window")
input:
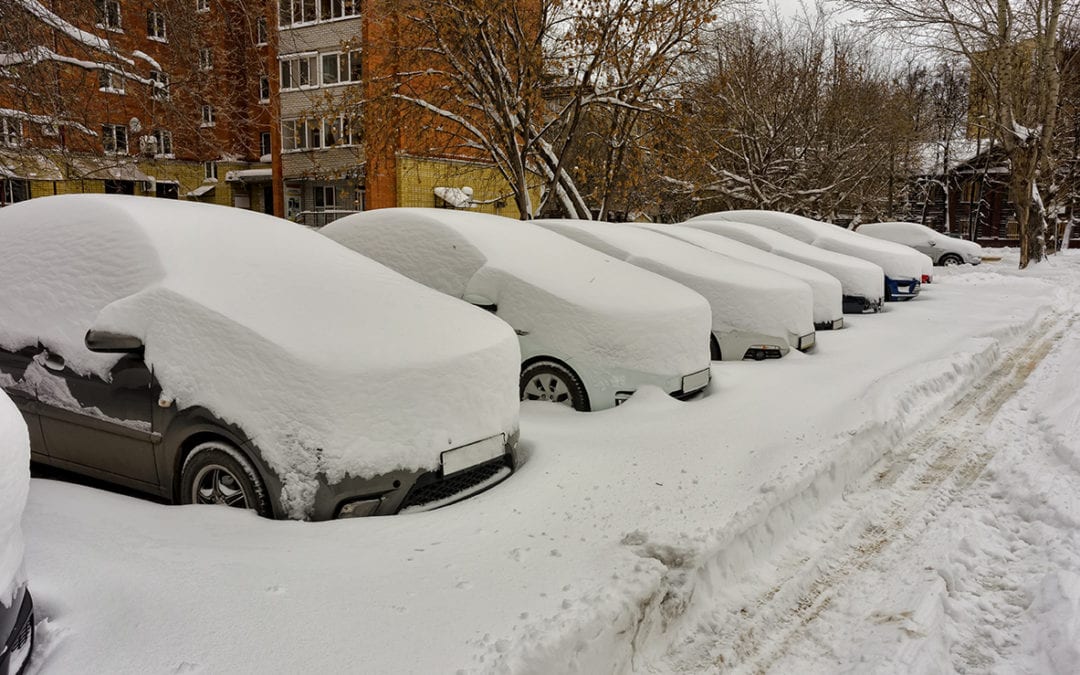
column 262, row 35
column 155, row 25
column 114, row 139
column 163, row 139
column 309, row 11
column 206, row 59
column 202, row 5
column 351, row 128
column 325, row 197
column 299, row 72
column 264, row 144
column 209, row 170
column 355, row 70
column 293, row 135
column 109, row 14
column 331, row 72
column 14, row 190
column 337, row 68
column 264, row 89
column 159, row 85
column 310, row 134
column 208, row 116
column 110, row 82
column 10, row 131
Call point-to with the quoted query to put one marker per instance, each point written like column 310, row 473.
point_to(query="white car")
column 828, row 293
column 592, row 329
column 16, row 605
column 212, row 355
column 862, row 283
column 942, row 249
column 903, row 267
column 756, row 313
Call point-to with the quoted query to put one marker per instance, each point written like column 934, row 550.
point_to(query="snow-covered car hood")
column 857, row 277
column 743, row 296
column 828, row 293
column 576, row 301
column 898, row 261
column 330, row 362
column 14, row 486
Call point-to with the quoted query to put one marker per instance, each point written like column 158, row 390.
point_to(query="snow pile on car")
column 828, row 294
column 584, row 303
column 743, row 297
column 899, row 262
column 857, row 277
column 14, row 485
column 331, row 363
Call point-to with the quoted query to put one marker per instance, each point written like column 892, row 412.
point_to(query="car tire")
column 552, row 381
column 714, row 349
column 215, row 472
column 951, row 260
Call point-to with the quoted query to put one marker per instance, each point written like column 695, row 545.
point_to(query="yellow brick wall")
column 44, row 188
column 418, row 177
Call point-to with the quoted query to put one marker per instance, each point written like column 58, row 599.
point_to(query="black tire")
column 714, row 349
column 216, row 472
column 552, row 381
column 950, row 259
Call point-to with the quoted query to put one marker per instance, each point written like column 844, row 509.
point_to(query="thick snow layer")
column 857, row 277
column 743, row 297
column 913, row 234
column 828, row 294
column 324, row 358
column 632, row 528
column 576, row 301
column 898, row 261
column 14, row 485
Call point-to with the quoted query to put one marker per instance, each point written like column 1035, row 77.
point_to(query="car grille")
column 431, row 487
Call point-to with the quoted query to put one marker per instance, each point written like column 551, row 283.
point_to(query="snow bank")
column 14, row 484
column 743, row 297
column 326, row 359
column 828, row 294
column 576, row 301
column 857, row 277
column 899, row 262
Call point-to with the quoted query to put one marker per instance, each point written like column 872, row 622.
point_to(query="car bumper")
column 835, row 324
column 858, row 304
column 901, row 289
column 18, row 644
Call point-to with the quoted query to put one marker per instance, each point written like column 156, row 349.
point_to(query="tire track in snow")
column 901, row 493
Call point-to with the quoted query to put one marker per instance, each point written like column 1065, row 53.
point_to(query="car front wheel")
column 951, row 260
column 217, row 473
column 552, row 381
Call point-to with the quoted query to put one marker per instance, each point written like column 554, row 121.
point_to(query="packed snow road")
column 900, row 499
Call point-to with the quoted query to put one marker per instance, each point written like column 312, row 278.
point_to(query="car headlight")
column 359, row 508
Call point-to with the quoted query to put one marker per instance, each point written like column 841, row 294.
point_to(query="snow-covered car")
column 756, row 313
column 16, row 605
column 592, row 329
column 903, row 266
column 862, row 283
column 214, row 355
column 828, row 303
column 942, row 249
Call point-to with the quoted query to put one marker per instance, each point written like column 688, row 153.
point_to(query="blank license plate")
column 696, row 381
column 466, row 456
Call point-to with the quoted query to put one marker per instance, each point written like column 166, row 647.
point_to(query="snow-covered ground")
column 906, row 497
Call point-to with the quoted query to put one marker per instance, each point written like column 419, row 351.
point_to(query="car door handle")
column 54, row 361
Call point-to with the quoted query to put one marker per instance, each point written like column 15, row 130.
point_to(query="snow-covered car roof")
column 584, row 303
column 743, row 296
column 828, row 294
column 857, row 277
column 324, row 358
column 900, row 232
column 14, row 485
column 898, row 262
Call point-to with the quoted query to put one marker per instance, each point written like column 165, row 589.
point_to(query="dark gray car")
column 17, row 627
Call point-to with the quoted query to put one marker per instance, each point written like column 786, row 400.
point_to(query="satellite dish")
column 135, row 125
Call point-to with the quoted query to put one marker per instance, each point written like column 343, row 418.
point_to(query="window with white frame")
column 108, row 12
column 325, row 197
column 264, row 144
column 10, row 131
column 110, row 82
column 299, row 72
column 159, row 85
column 208, row 115
column 210, row 170
column 202, row 5
column 310, row 11
column 355, row 69
column 155, row 25
column 262, row 35
column 163, row 138
column 315, row 134
column 339, row 68
column 331, row 68
column 206, row 58
column 264, row 89
column 114, row 139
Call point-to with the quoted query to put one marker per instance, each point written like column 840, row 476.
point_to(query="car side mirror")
column 933, row 243
column 481, row 301
column 105, row 342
